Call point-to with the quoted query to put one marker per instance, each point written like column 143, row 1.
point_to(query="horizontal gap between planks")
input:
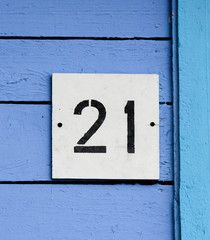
column 50, row 102
column 86, row 38
column 27, row 102
column 94, row 182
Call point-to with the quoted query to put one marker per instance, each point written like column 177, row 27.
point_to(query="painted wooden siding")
column 32, row 47
column 28, row 129
column 58, row 212
column 27, row 65
column 194, row 71
column 85, row 18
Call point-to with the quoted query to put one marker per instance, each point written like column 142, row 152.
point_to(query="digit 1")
column 129, row 109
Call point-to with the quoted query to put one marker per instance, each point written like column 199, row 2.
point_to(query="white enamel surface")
column 113, row 91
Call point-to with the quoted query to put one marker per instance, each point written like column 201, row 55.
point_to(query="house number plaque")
column 105, row 126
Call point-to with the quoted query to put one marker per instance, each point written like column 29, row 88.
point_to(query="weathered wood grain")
column 27, row 65
column 67, row 211
column 194, row 75
column 25, row 142
column 58, row 212
column 85, row 18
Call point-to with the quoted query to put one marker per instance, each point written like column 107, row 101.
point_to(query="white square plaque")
column 105, row 126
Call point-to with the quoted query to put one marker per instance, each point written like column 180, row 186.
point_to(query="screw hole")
column 152, row 124
column 59, row 125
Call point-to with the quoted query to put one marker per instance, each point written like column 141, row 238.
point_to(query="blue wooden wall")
column 194, row 71
column 38, row 38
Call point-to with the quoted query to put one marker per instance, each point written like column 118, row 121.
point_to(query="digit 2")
column 101, row 116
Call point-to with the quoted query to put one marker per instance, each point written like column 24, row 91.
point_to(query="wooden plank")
column 85, row 18
column 176, row 149
column 194, row 62
column 25, row 142
column 86, row 212
column 27, row 65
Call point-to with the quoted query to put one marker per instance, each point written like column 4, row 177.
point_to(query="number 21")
column 129, row 110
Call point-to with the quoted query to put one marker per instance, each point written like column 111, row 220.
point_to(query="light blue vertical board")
column 86, row 212
column 194, row 67
column 85, row 18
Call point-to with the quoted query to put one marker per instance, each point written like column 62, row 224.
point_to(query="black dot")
column 60, row 124
column 152, row 124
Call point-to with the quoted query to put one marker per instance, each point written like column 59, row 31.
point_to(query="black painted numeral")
column 129, row 109
column 101, row 116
